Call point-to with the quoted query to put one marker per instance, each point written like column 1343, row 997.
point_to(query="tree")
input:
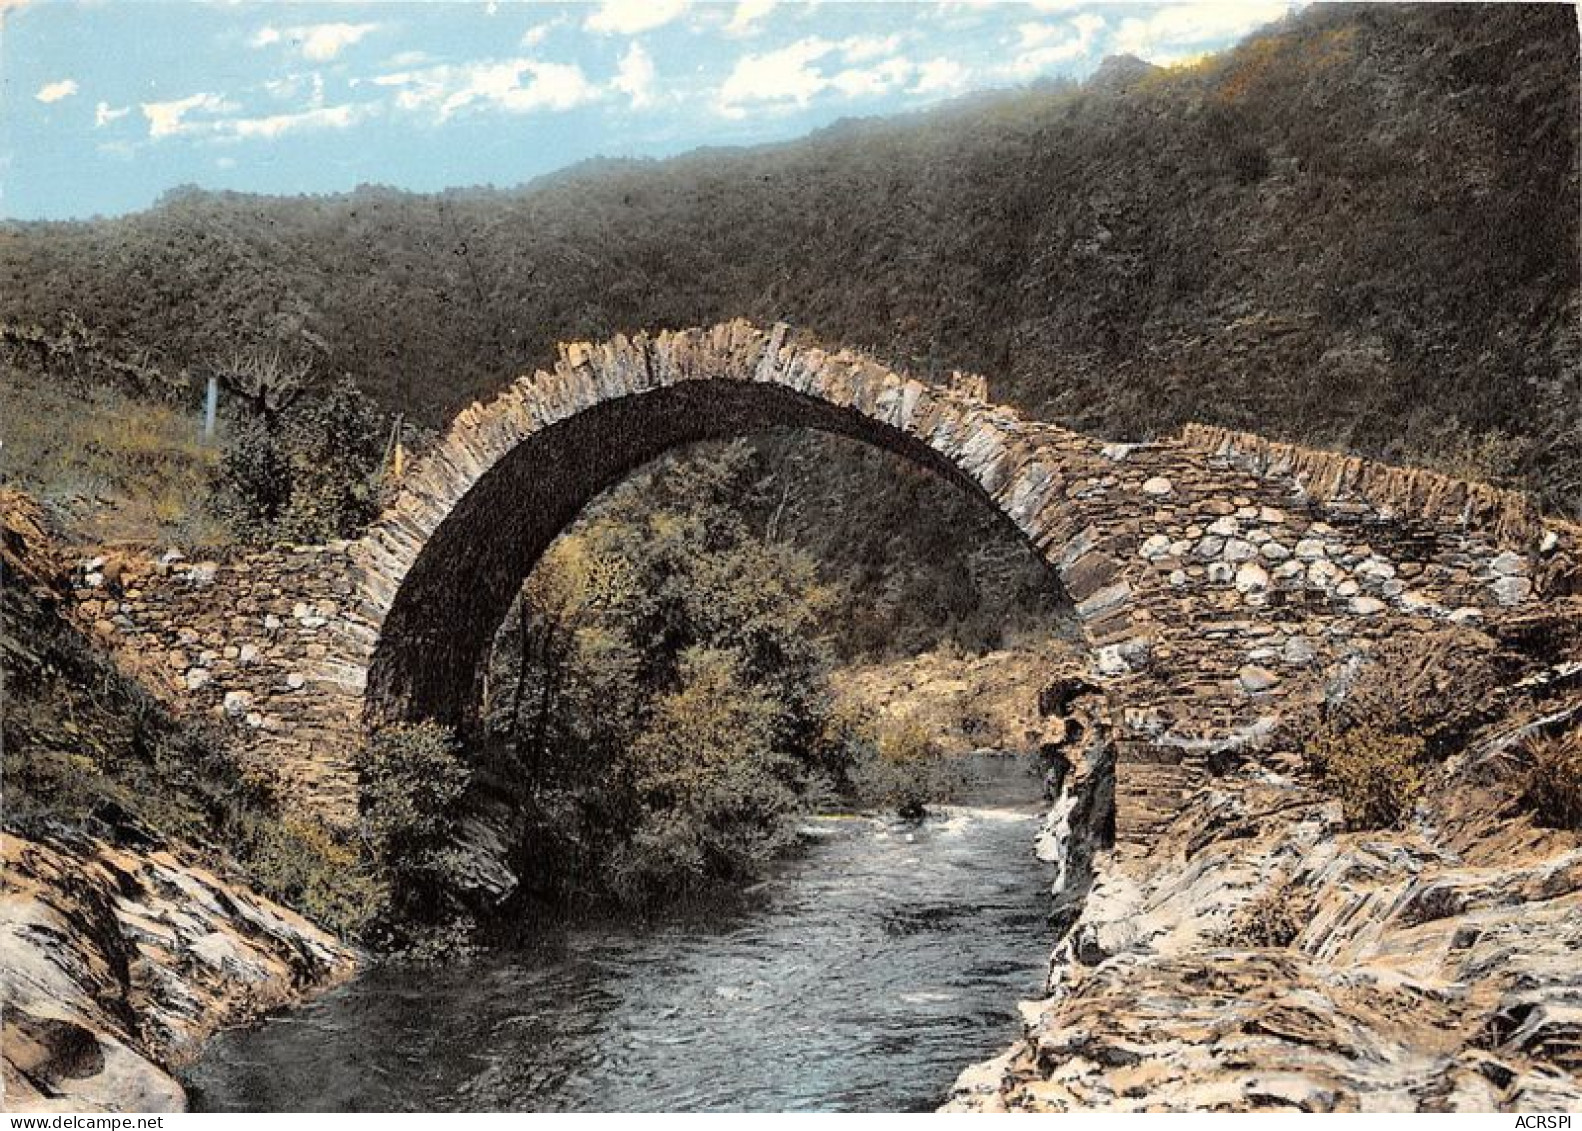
column 304, row 468
column 267, row 383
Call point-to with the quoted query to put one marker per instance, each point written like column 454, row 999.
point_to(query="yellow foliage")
column 709, row 722
column 1376, row 774
column 907, row 741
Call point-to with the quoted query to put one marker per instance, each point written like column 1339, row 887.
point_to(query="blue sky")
column 104, row 104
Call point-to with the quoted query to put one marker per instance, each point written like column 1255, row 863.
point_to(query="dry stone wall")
column 1221, row 580
column 248, row 640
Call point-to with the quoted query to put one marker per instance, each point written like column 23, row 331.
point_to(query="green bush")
column 1377, row 775
column 307, row 867
column 309, row 473
column 412, row 776
column 1553, row 785
column 253, row 485
column 904, row 769
column 660, row 697
column 716, row 800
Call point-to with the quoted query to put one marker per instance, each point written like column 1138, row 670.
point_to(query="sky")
column 106, row 104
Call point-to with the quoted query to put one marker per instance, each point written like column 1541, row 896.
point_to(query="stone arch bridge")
column 1221, row 580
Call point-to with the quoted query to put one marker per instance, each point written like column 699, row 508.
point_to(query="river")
column 862, row 976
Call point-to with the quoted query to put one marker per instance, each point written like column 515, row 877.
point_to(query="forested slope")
column 1358, row 228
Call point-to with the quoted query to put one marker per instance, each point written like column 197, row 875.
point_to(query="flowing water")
column 864, row 975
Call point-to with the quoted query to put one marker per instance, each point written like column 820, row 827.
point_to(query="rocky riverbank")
column 116, row 962
column 1259, row 954
column 126, row 936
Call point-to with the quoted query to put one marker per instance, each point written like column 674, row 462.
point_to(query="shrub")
column 253, row 485
column 306, row 866
column 659, row 700
column 904, row 769
column 308, row 473
column 412, row 776
column 336, row 443
column 1553, row 786
column 717, row 800
column 1375, row 774
column 1273, row 919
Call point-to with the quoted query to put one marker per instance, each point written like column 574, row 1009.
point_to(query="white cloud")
column 939, row 76
column 635, row 78
column 629, row 17
column 866, row 82
column 298, row 85
column 861, row 48
column 793, row 75
column 200, row 115
column 536, row 34
column 1181, row 30
column 786, row 74
column 166, row 119
column 273, row 125
column 55, row 91
column 516, row 85
column 748, row 14
column 104, row 113
column 318, row 42
column 1041, row 45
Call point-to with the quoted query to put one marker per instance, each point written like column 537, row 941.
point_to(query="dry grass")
column 1376, row 775
column 1553, row 786
column 1273, row 919
column 122, row 468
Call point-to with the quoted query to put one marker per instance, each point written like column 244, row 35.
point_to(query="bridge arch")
column 1223, row 581
column 437, row 574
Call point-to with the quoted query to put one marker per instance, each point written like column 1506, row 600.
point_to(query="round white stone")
column 1251, row 576
column 1155, row 547
column 1323, row 573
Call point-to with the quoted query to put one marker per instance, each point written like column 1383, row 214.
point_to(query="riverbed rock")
column 115, row 961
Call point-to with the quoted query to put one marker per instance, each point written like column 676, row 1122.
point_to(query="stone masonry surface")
column 1221, row 580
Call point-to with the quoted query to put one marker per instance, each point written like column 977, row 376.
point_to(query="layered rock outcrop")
column 119, row 961
column 1260, row 954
